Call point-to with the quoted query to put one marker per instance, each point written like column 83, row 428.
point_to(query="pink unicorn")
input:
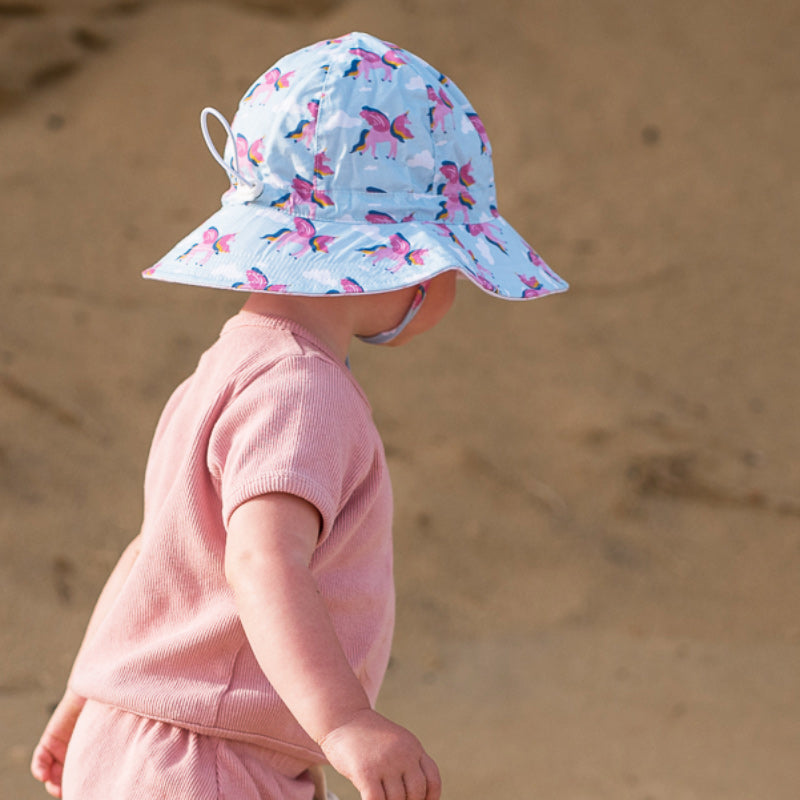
column 304, row 234
column 380, row 130
column 398, row 251
column 304, row 132
column 489, row 230
column 211, row 243
column 455, row 190
column 483, row 275
column 257, row 282
column 322, row 165
column 272, row 81
column 442, row 108
column 303, row 194
column 366, row 61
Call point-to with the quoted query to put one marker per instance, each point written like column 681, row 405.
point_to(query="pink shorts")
column 115, row 754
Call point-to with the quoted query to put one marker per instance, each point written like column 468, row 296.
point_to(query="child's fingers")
column 432, row 777
column 415, row 784
column 393, row 788
column 41, row 763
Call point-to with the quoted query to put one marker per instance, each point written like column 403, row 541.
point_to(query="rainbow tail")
column 352, row 71
column 361, row 145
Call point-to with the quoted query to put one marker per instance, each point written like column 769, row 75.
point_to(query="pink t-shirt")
column 269, row 409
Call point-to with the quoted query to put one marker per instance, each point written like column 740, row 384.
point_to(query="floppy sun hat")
column 355, row 167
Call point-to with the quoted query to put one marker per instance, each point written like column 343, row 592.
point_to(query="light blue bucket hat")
column 355, row 167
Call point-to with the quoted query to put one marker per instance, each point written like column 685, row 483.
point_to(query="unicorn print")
column 322, row 165
column 398, row 251
column 382, row 218
column 271, row 82
column 477, row 123
column 306, row 129
column 442, row 108
column 489, row 231
column 304, row 234
column 257, row 282
column 381, row 130
column 365, row 62
column 211, row 243
column 535, row 286
column 448, row 234
column 303, row 194
column 455, row 190
column 535, row 258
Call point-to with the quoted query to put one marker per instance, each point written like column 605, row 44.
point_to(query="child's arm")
column 48, row 758
column 270, row 542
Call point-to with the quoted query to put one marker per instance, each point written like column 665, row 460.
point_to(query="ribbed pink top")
column 269, row 409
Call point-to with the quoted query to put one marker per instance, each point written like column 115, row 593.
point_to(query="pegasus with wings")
column 303, row 194
column 269, row 83
column 398, row 251
column 210, row 244
column 304, row 234
column 381, row 130
column 365, row 62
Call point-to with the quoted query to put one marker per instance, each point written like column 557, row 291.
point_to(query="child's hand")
column 47, row 765
column 382, row 760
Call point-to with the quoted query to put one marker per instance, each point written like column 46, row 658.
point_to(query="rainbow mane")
column 297, row 133
column 271, row 237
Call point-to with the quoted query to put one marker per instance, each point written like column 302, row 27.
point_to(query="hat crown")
column 356, row 129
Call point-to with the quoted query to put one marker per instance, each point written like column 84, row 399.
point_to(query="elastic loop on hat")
column 235, row 173
column 388, row 336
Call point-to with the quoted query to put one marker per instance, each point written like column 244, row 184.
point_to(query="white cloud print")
column 416, row 83
column 341, row 120
column 423, row 159
column 322, row 276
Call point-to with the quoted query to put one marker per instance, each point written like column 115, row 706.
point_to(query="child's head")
column 356, row 167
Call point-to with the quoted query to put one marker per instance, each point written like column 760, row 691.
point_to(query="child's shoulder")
column 257, row 348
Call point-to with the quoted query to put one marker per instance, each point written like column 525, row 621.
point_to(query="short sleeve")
column 294, row 427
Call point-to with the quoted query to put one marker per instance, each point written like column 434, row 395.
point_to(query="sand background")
column 598, row 494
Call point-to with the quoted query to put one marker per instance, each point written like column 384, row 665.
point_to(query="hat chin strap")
column 388, row 336
column 246, row 188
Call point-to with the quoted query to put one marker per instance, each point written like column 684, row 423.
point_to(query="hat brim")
column 251, row 247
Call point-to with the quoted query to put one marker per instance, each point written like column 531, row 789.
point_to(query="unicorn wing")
column 377, row 120
column 449, row 170
column 399, row 243
column 465, row 174
column 305, row 228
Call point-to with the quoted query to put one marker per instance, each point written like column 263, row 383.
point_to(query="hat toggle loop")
column 246, row 188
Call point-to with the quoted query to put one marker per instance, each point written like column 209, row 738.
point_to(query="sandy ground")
column 598, row 525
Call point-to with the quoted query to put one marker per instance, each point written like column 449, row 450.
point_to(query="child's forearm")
column 292, row 636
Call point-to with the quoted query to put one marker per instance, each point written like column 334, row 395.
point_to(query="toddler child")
column 241, row 639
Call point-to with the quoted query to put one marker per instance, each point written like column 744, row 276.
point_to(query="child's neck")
column 336, row 319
